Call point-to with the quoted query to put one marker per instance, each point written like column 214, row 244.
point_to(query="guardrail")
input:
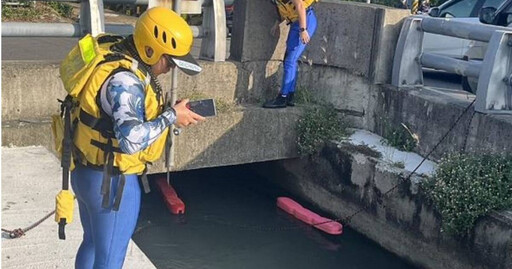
column 92, row 20
column 494, row 73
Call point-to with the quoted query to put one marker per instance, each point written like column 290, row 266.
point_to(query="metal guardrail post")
column 92, row 17
column 213, row 46
column 406, row 64
column 176, row 6
column 494, row 94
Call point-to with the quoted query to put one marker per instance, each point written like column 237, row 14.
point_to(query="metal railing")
column 494, row 73
column 92, row 20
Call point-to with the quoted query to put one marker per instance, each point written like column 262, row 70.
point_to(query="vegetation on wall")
column 319, row 124
column 63, row 9
column 466, row 187
column 36, row 11
column 398, row 136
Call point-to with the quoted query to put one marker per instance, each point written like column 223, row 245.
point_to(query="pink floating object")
column 327, row 225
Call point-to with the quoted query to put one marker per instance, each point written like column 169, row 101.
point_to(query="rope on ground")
column 16, row 233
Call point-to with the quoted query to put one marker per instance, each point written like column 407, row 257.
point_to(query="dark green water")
column 232, row 221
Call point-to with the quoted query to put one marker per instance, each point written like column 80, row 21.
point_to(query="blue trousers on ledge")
column 294, row 49
column 106, row 232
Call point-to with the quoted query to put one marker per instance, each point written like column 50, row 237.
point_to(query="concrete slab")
column 31, row 176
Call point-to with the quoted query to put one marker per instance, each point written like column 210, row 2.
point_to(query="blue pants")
column 294, row 49
column 106, row 232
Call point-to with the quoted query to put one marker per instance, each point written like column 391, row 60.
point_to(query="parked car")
column 465, row 49
column 460, row 10
column 230, row 8
column 501, row 16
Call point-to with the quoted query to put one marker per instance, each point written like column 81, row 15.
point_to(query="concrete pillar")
column 251, row 39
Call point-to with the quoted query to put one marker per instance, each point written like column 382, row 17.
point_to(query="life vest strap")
column 119, row 194
column 99, row 124
column 144, row 180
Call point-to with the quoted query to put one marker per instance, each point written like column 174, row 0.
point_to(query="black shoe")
column 290, row 101
column 279, row 102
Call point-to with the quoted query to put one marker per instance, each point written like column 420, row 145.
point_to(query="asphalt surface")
column 54, row 49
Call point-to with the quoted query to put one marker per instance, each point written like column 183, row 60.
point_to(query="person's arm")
column 301, row 10
column 125, row 94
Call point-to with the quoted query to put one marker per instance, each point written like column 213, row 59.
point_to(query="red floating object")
column 171, row 199
column 327, row 225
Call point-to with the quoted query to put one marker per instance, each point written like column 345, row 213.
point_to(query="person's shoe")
column 279, row 102
column 289, row 100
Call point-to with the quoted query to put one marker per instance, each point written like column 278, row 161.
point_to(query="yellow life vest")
column 287, row 9
column 93, row 130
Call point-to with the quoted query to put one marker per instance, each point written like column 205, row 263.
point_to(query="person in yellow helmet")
column 122, row 125
column 301, row 17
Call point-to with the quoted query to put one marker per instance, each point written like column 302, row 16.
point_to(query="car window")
column 492, row 3
column 461, row 9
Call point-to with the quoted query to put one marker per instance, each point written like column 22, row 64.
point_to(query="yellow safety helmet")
column 168, row 34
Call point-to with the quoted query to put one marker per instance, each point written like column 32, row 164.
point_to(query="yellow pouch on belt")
column 64, row 205
column 58, row 136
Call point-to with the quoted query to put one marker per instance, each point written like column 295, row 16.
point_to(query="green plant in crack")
column 466, row 187
column 304, row 96
column 63, row 9
column 399, row 136
column 400, row 165
column 317, row 125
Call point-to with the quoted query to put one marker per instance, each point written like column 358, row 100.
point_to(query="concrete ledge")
column 228, row 139
column 430, row 113
column 343, row 179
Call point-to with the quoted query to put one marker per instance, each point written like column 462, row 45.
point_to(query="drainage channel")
column 231, row 221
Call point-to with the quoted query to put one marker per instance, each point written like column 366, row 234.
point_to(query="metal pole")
column 20, row 29
column 463, row 68
column 449, row 27
column 33, row 29
column 176, row 6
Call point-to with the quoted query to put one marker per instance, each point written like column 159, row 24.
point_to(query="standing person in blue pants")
column 301, row 15
column 122, row 125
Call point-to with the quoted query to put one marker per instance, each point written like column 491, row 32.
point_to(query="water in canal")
column 232, row 221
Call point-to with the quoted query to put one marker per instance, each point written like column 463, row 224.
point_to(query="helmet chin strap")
column 127, row 46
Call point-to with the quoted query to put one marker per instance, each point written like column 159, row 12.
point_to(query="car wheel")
column 468, row 85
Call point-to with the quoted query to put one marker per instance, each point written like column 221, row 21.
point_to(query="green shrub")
column 63, row 9
column 24, row 11
column 466, row 187
column 399, row 136
column 304, row 96
column 318, row 125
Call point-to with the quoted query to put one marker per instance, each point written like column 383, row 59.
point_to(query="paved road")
column 53, row 49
